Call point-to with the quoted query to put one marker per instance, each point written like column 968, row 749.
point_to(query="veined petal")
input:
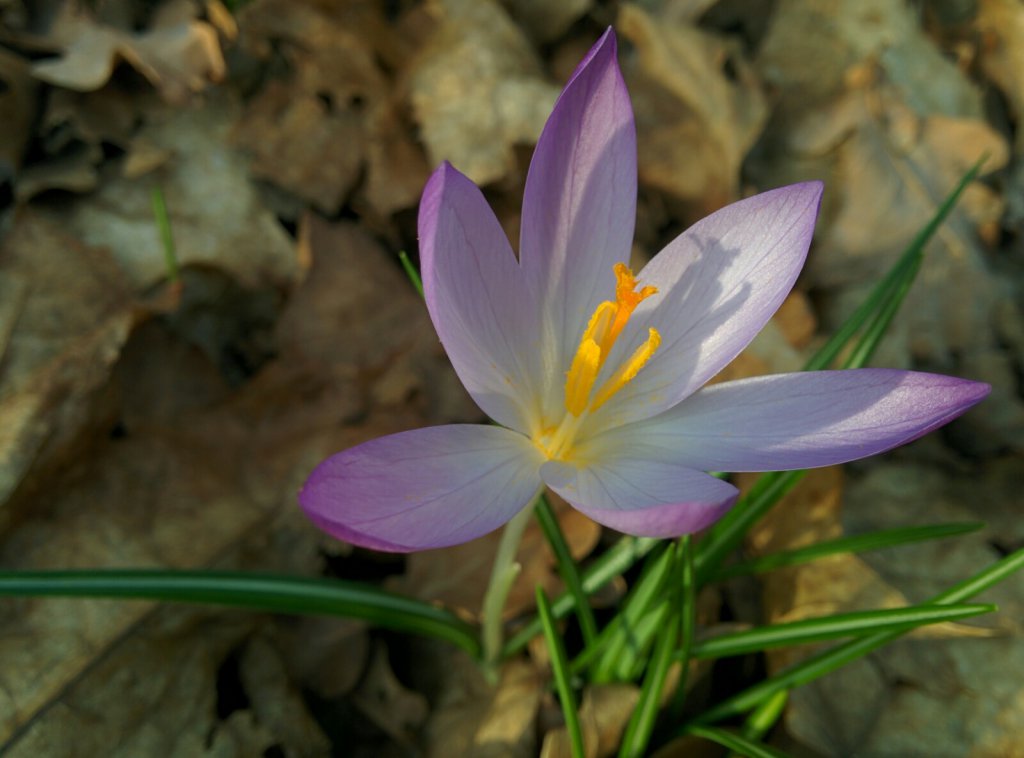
column 643, row 497
column 579, row 206
column 424, row 488
column 794, row 421
column 477, row 297
column 718, row 284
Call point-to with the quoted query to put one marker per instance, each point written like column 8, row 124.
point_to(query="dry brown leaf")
column 178, row 54
column 193, row 471
column 695, row 125
column 604, row 712
column 477, row 90
column 215, row 213
column 65, row 320
column 334, row 122
column 397, row 711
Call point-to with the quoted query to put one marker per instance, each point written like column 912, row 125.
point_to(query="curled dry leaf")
column 178, row 54
column 477, row 90
column 157, row 693
column 215, row 213
column 604, row 712
column 334, row 121
column 695, row 124
column 478, row 721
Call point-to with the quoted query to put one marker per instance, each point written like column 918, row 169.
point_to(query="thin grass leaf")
column 765, row 716
column 631, row 664
column 896, row 276
column 728, row 533
column 264, row 592
column 829, row 660
column 567, row 569
column 860, row 543
column 735, row 742
column 641, row 724
column 163, row 225
column 616, row 561
column 688, row 620
column 623, row 641
column 833, row 627
column 873, row 317
column 560, row 669
column 410, row 271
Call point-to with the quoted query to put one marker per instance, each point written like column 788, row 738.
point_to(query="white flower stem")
column 503, row 574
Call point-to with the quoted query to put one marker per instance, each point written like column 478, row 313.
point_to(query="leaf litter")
column 143, row 426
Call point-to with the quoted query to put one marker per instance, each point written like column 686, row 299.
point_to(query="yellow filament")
column 603, row 329
column 628, row 370
column 582, row 375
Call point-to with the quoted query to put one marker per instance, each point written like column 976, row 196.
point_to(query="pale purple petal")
column 718, row 284
column 579, row 206
column 425, row 488
column 794, row 421
column 642, row 497
column 477, row 297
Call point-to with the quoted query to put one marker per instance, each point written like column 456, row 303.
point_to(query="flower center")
column 604, row 328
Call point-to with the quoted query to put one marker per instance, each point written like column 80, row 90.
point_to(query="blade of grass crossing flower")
column 829, row 660
column 264, row 592
column 735, row 742
column 567, row 568
column 873, row 317
column 639, row 602
column 641, row 724
column 860, row 543
column 896, row 276
column 616, row 561
column 410, row 271
column 163, row 224
column 833, row 627
column 560, row 669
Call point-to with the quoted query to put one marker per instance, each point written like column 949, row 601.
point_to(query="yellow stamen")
column 603, row 329
column 581, row 377
column 628, row 370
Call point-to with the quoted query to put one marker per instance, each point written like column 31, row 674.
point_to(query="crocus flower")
column 594, row 375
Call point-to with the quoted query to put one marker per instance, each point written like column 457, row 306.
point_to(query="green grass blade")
column 688, row 620
column 567, row 568
column 617, row 560
column 641, row 724
column 410, row 271
column 832, row 627
column 560, row 669
column 623, row 640
column 860, row 543
column 829, row 660
column 163, row 225
column 897, row 275
column 265, row 592
column 727, row 534
column 765, row 716
column 734, row 742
